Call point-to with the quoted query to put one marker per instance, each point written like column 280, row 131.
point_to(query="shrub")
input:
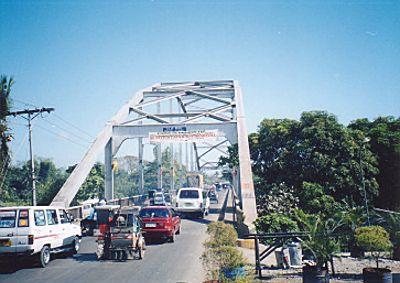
column 275, row 222
column 374, row 239
column 221, row 234
column 221, row 252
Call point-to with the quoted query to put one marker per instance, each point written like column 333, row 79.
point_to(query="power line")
column 72, row 125
column 60, row 118
column 61, row 136
column 66, row 130
column 31, row 114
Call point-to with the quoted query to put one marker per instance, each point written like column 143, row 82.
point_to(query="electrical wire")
column 65, row 130
column 58, row 117
column 61, row 136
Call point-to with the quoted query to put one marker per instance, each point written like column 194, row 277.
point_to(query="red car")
column 160, row 222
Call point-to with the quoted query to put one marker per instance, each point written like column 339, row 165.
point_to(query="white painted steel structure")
column 201, row 105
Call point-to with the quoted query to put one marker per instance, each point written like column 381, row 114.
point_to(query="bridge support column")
column 109, row 174
column 141, row 176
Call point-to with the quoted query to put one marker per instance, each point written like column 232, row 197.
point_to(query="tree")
column 316, row 155
column 17, row 188
column 384, row 133
column 93, row 187
column 5, row 135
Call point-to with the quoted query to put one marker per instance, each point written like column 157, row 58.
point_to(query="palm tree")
column 5, row 136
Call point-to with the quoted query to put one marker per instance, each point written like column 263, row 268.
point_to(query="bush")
column 374, row 239
column 221, row 253
column 221, row 234
column 275, row 222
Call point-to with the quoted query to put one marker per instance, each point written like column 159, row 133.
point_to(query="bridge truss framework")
column 196, row 106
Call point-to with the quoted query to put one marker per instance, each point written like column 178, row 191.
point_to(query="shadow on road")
column 13, row 265
column 85, row 257
column 200, row 220
column 155, row 241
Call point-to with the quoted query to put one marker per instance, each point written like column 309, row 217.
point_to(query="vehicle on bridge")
column 195, row 179
column 160, row 222
column 168, row 199
column 121, row 234
column 192, row 201
column 213, row 195
column 37, row 231
column 159, row 199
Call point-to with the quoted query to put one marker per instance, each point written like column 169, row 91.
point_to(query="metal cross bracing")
column 196, row 106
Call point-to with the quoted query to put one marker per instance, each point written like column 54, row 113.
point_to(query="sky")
column 87, row 58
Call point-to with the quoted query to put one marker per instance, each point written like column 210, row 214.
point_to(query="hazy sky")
column 87, row 59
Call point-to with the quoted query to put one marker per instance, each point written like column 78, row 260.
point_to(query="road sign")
column 183, row 136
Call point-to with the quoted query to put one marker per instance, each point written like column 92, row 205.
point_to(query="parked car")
column 192, row 200
column 160, row 222
column 159, row 199
column 37, row 231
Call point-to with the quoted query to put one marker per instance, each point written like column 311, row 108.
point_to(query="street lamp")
column 366, row 140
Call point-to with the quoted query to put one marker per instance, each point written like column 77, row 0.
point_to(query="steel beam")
column 78, row 176
column 247, row 194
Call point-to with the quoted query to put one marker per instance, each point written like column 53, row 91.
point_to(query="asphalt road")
column 163, row 262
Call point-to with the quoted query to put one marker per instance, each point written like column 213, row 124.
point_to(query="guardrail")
column 133, row 200
column 77, row 211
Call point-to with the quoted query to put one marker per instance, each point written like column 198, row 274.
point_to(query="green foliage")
column 220, row 250
column 374, row 239
column 221, row 234
column 316, row 159
column 5, row 131
column 17, row 186
column 384, row 133
column 316, row 149
column 275, row 222
column 320, row 240
column 275, row 198
column 316, row 201
column 93, row 187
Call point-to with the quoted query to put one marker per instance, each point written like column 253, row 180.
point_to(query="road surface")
column 163, row 262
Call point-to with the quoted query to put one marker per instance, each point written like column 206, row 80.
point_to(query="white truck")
column 37, row 231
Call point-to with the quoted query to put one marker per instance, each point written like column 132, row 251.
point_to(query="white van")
column 37, row 230
column 192, row 200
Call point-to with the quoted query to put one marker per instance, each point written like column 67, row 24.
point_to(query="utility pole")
column 31, row 114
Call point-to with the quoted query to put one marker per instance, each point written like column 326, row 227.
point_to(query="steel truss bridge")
column 192, row 106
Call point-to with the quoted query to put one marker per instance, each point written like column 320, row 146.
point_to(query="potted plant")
column 222, row 260
column 321, row 243
column 376, row 240
column 391, row 223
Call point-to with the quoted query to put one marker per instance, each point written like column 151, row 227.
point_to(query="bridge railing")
column 132, row 200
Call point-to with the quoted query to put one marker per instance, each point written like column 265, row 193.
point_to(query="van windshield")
column 7, row 218
column 189, row 194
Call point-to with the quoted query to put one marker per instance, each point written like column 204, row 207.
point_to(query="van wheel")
column 44, row 256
